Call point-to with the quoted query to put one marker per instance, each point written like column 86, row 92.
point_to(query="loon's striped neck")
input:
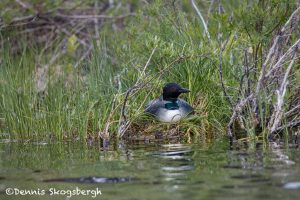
column 171, row 104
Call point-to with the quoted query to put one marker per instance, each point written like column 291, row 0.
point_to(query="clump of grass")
column 69, row 107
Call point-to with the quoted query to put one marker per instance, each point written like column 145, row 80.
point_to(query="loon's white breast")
column 165, row 115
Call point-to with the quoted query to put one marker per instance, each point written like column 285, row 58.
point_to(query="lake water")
column 152, row 171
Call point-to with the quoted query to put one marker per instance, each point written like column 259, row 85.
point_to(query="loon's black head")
column 173, row 90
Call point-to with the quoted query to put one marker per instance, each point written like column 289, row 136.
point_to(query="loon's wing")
column 185, row 106
column 154, row 105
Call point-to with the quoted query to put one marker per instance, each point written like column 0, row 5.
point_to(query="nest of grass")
column 194, row 128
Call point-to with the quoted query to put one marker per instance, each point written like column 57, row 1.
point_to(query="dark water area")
column 153, row 171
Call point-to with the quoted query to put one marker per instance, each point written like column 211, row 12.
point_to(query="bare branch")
column 83, row 56
column 123, row 123
column 236, row 114
column 24, row 5
column 80, row 17
column 287, row 114
column 288, row 125
column 202, row 19
column 283, row 57
column 285, row 32
column 209, row 10
column 148, row 61
column 96, row 26
column 277, row 114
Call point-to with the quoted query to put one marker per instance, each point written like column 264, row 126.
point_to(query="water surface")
column 153, row 171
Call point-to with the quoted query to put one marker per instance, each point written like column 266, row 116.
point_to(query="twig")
column 277, row 114
column 209, row 11
column 80, row 17
column 288, row 125
column 287, row 114
column 202, row 19
column 263, row 70
column 123, row 123
column 105, row 132
column 236, row 114
column 83, row 56
column 272, row 51
column 148, row 61
column 221, row 49
column 246, row 74
column 19, row 21
column 282, row 58
column 96, row 26
column 24, row 4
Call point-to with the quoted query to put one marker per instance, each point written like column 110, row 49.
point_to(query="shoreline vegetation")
column 85, row 70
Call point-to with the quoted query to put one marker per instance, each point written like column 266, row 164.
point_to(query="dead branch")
column 285, row 33
column 92, row 17
column 236, row 114
column 288, row 125
column 96, row 26
column 209, row 10
column 274, row 78
column 287, row 114
column 221, row 49
column 104, row 134
column 278, row 112
column 24, row 4
column 123, row 122
column 84, row 56
column 202, row 19
column 288, row 53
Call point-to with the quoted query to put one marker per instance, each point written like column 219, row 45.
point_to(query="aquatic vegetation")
column 93, row 79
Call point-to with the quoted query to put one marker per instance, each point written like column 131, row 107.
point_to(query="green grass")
column 78, row 101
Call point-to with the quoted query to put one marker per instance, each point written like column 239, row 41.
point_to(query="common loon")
column 170, row 108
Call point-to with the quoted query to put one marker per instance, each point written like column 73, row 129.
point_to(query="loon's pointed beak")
column 183, row 90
